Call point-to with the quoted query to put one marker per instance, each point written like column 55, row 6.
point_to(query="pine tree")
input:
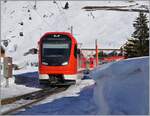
column 138, row 44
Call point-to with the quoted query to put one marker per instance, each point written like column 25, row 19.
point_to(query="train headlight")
column 45, row 63
column 64, row 63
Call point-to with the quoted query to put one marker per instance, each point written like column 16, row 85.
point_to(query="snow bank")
column 123, row 87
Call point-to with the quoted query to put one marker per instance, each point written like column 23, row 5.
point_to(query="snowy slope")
column 123, row 87
column 111, row 28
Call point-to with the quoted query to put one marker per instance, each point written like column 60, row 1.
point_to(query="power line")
column 61, row 12
column 40, row 16
column 60, row 4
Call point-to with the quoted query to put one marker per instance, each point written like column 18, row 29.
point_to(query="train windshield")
column 56, row 50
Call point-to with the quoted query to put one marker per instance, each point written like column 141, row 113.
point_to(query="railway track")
column 29, row 99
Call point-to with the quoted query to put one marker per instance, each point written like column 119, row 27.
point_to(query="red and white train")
column 57, row 57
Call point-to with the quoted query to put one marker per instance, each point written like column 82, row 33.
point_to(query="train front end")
column 57, row 57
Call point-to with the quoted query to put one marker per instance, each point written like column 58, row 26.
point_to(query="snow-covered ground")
column 120, row 87
column 15, row 89
column 77, row 100
column 123, row 87
column 23, row 81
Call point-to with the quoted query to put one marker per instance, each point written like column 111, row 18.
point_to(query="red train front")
column 57, row 57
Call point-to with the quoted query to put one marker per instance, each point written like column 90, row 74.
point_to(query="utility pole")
column 96, row 50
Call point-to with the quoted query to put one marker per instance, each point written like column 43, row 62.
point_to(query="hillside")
column 23, row 25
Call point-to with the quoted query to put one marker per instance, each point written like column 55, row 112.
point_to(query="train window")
column 56, row 46
column 75, row 51
column 56, row 50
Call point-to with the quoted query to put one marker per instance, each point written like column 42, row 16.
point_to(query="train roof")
column 61, row 33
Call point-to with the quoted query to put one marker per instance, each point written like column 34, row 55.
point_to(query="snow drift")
column 123, row 87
